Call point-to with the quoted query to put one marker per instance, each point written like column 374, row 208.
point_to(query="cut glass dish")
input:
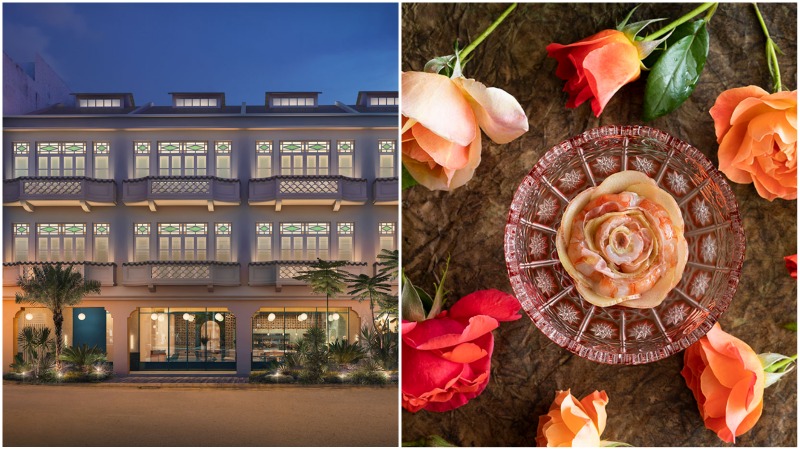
column 618, row 334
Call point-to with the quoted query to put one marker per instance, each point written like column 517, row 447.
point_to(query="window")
column 61, row 159
column 386, row 148
column 100, row 103
column 383, row 101
column 263, row 159
column 222, row 239
column 293, row 101
column 223, row 163
column 101, row 166
column 304, row 157
column 263, row 241
column 141, row 242
column 345, row 156
column 182, row 158
column 386, row 234
column 101, row 232
column 22, row 152
column 196, row 102
column 182, row 241
column 304, row 241
column 141, row 161
column 344, row 231
column 21, row 238
column 61, row 242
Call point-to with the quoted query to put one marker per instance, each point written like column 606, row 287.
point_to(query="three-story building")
column 196, row 217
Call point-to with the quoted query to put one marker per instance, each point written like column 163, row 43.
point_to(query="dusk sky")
column 243, row 49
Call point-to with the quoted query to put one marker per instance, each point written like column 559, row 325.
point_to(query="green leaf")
column 427, row 301
column 792, row 326
column 407, row 179
column 429, row 441
column 674, row 76
column 436, row 65
column 412, row 305
column 621, row 25
column 441, row 294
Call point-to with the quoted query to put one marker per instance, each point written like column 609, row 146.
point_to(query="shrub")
column 256, row 377
column 342, row 352
column 83, row 358
column 382, row 348
column 332, row 378
column 368, row 373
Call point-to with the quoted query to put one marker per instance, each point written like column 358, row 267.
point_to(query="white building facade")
column 195, row 217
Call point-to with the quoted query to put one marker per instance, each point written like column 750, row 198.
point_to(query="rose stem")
column 779, row 365
column 772, row 57
column 683, row 19
column 468, row 49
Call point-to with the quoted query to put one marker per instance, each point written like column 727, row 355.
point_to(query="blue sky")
column 241, row 49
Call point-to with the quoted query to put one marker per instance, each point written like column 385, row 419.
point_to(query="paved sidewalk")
column 177, row 379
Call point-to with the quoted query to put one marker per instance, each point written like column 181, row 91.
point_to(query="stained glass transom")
column 291, row 228
column 345, row 146
column 21, row 229
column 387, row 146
column 345, row 228
column 223, row 147
column 66, row 148
column 263, row 147
column 263, row 228
column 386, row 228
column 101, row 148
column 141, row 147
column 21, row 148
column 102, row 229
column 318, row 228
column 223, row 228
column 141, row 228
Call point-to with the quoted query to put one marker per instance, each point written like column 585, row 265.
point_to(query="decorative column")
column 10, row 310
column 244, row 313
column 120, row 313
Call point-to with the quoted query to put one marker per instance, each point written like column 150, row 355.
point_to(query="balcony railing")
column 282, row 273
column 105, row 273
column 30, row 192
column 385, row 191
column 161, row 191
column 335, row 190
column 180, row 273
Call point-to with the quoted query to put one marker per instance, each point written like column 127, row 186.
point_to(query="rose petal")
column 595, row 406
column 498, row 113
column 607, row 69
column 489, row 302
column 729, row 151
column 439, row 105
column 445, row 153
column 727, row 101
column 442, row 333
column 464, row 353
column 424, row 371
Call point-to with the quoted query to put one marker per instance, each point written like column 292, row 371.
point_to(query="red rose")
column 446, row 360
column 595, row 68
column 791, row 265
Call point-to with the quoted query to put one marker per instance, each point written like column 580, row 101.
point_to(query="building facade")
column 31, row 86
column 195, row 217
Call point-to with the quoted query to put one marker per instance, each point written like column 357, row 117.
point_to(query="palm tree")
column 365, row 287
column 389, row 261
column 83, row 357
column 55, row 288
column 325, row 277
column 37, row 345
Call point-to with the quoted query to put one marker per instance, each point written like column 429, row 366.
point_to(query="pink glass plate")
column 617, row 334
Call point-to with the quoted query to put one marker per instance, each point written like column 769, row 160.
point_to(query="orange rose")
column 595, row 68
column 757, row 137
column 442, row 121
column 571, row 423
column 727, row 380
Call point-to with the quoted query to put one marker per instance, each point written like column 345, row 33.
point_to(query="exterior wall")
column 243, row 300
column 23, row 93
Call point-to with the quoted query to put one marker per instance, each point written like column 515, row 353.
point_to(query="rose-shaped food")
column 622, row 242
column 595, row 68
column 727, row 380
column 570, row 423
column 757, row 136
column 446, row 360
column 442, row 121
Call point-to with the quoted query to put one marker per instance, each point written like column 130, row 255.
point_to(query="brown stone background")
column 650, row 405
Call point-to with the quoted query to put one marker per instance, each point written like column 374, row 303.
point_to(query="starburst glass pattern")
column 544, row 282
column 677, row 183
column 602, row 330
column 676, row 314
column 605, row 165
column 701, row 212
column 700, row 284
column 708, row 248
column 538, row 245
column 641, row 331
column 571, row 180
column 567, row 313
column 643, row 165
column 547, row 208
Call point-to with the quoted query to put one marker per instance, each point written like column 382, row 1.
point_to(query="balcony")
column 105, row 273
column 163, row 191
column 29, row 192
column 180, row 273
column 385, row 191
column 282, row 273
column 334, row 190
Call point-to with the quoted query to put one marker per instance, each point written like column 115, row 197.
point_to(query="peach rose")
column 727, row 380
column 442, row 121
column 757, row 137
column 570, row 423
column 622, row 242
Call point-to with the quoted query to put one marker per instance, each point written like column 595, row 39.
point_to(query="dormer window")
column 198, row 100
column 292, row 99
column 100, row 103
column 383, row 101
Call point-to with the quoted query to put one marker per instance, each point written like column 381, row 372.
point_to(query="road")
column 92, row 415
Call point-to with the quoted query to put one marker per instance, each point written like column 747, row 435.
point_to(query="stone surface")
column 649, row 405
